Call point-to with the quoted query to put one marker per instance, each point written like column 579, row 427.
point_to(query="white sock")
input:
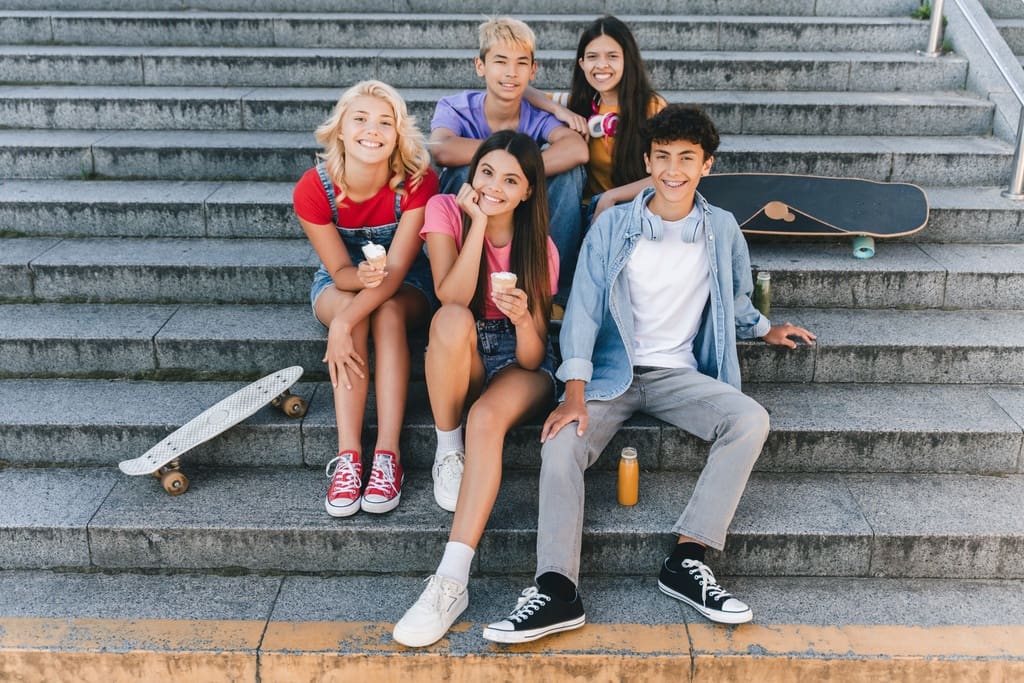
column 449, row 441
column 456, row 561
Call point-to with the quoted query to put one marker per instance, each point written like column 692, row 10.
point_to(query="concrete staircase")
column 150, row 263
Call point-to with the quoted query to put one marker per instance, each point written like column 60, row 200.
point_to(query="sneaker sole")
column 715, row 615
column 346, row 511
column 383, row 506
column 535, row 634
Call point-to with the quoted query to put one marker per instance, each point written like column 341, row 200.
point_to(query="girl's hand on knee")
column 370, row 276
column 514, row 304
column 341, row 356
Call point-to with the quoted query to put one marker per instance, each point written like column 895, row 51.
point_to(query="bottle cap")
column 764, row 275
column 629, row 453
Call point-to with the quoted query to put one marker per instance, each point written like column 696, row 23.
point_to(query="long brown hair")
column 635, row 98
column 529, row 256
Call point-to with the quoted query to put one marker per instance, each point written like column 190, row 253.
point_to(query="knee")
column 452, row 326
column 486, row 417
column 563, row 455
column 751, row 419
column 389, row 316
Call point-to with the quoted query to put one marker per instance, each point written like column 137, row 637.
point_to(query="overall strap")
column 398, row 202
column 321, row 170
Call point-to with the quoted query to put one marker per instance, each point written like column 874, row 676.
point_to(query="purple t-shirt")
column 463, row 114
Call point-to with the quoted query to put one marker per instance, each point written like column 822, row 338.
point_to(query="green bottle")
column 763, row 294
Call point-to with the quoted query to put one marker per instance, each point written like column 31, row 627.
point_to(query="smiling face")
column 676, row 168
column 507, row 69
column 368, row 130
column 602, row 64
column 500, row 183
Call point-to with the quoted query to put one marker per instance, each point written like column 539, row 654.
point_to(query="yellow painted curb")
column 108, row 651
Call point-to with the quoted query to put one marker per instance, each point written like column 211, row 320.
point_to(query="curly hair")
column 409, row 158
column 682, row 122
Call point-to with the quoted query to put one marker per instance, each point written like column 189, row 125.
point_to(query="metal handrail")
column 1016, row 188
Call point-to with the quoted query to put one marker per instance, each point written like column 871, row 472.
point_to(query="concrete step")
column 815, row 428
column 163, row 270
column 113, row 627
column 294, row 109
column 816, row 274
column 371, row 30
column 112, row 208
column 452, row 68
column 1012, row 31
column 204, row 155
column 882, row 525
column 196, row 340
column 865, row 8
column 1003, row 9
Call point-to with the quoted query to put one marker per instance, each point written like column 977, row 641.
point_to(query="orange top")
column 599, row 168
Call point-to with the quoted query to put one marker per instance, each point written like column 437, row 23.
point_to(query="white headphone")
column 653, row 228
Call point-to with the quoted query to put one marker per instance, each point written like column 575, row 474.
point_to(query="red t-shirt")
column 310, row 202
column 444, row 216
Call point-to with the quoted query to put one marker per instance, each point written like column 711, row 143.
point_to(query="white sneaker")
column 440, row 604
column 447, row 473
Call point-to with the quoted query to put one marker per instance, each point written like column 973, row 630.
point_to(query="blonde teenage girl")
column 371, row 186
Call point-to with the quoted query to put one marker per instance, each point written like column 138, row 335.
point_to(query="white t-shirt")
column 669, row 285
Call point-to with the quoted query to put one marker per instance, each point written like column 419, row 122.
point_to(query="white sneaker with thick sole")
column 437, row 608
column 447, row 473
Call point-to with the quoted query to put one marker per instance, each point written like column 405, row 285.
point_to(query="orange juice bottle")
column 629, row 477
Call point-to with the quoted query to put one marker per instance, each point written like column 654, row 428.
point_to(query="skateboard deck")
column 817, row 206
column 162, row 459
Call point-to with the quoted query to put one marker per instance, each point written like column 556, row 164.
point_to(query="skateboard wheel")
column 863, row 246
column 174, row 482
column 293, row 406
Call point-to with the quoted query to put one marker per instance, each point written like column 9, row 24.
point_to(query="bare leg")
column 512, row 395
column 453, row 367
column 388, row 324
column 349, row 404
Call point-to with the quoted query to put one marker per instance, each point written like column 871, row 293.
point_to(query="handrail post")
column 1016, row 189
column 935, row 35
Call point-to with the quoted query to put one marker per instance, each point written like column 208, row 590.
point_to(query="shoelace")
column 434, row 592
column 709, row 586
column 452, row 464
column 382, row 476
column 344, row 476
column 528, row 604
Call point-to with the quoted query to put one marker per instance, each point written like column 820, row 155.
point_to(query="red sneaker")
column 346, row 480
column 385, row 488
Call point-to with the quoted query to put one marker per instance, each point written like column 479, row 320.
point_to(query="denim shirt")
column 597, row 332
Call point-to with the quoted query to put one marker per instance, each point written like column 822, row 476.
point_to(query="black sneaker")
column 536, row 615
column 696, row 586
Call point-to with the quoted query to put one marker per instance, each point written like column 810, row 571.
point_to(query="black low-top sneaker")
column 537, row 615
column 696, row 586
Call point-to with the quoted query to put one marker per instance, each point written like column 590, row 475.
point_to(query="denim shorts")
column 496, row 343
column 418, row 277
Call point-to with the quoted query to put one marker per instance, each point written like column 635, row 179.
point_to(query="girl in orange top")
column 609, row 99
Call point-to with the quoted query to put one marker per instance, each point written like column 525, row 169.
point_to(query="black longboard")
column 816, row 206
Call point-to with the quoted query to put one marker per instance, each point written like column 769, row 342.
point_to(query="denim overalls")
column 356, row 238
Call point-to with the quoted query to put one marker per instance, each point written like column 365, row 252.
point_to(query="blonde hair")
column 506, row 30
column 409, row 158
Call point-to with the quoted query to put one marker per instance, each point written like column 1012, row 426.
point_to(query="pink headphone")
column 602, row 125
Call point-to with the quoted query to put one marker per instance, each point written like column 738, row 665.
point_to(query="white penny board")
column 214, row 420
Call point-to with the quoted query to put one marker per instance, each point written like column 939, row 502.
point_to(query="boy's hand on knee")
column 567, row 412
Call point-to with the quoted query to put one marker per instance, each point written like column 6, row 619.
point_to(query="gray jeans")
column 703, row 406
